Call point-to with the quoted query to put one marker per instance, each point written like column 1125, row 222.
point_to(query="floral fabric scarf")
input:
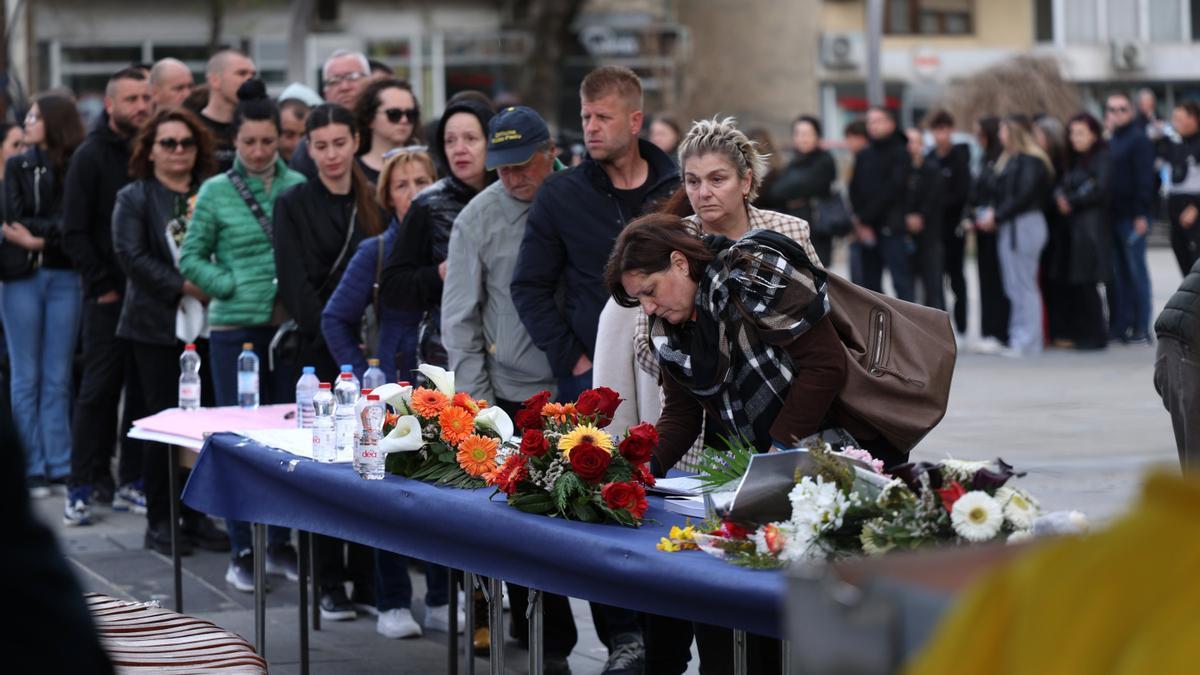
column 758, row 295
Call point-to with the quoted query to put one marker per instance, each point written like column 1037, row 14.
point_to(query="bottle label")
column 189, row 392
column 247, row 383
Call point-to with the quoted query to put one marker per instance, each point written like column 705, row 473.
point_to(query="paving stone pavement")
column 1086, row 426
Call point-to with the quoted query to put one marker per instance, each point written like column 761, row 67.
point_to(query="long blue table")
column 470, row 530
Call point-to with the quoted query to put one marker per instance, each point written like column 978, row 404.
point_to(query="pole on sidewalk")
column 875, row 94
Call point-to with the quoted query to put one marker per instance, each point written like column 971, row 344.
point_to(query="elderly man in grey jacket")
column 491, row 354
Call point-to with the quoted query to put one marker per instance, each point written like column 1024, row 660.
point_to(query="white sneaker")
column 988, row 345
column 438, row 618
column 396, row 624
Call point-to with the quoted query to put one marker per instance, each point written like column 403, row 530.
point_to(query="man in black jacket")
column 572, row 226
column 1132, row 202
column 877, row 197
column 98, row 170
column 1176, row 373
column 955, row 162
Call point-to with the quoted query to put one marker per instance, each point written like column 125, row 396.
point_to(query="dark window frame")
column 914, row 20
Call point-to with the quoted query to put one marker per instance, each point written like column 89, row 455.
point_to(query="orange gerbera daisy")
column 560, row 412
column 429, row 402
column 456, row 423
column 463, row 400
column 477, row 454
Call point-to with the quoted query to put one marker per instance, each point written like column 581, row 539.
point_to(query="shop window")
column 929, row 17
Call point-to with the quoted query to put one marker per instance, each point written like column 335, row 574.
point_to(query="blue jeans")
column 890, row 251
column 41, row 323
column 393, row 588
column 569, row 388
column 1129, row 299
column 224, row 347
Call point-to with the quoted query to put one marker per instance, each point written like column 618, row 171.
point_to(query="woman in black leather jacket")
column 41, row 295
column 413, row 277
column 807, row 179
column 161, row 311
column 1082, row 196
column 1024, row 178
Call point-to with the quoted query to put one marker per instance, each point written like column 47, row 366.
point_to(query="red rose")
column 628, row 496
column 601, row 402
column 950, row 494
column 533, row 443
column 641, row 472
column 530, row 414
column 638, row 446
column 732, row 531
column 589, row 461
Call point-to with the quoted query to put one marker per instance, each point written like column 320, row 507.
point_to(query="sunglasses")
column 410, row 149
column 1117, row 109
column 173, row 144
column 348, row 77
column 394, row 115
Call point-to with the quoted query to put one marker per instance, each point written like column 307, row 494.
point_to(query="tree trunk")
column 302, row 11
column 216, row 16
column 548, row 23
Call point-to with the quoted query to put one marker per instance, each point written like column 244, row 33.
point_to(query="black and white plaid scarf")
column 758, row 295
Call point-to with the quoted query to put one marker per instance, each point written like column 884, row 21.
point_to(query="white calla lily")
column 497, row 420
column 441, row 378
column 395, row 395
column 405, row 437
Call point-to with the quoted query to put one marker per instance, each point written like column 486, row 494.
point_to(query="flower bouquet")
column 567, row 466
column 441, row 436
column 849, row 507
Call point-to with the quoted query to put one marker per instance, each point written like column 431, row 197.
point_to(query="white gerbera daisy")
column 976, row 516
column 1019, row 508
column 1020, row 536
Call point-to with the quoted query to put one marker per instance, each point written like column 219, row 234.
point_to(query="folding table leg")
column 173, row 488
column 786, row 656
column 452, row 639
column 260, row 589
column 739, row 653
column 469, row 629
column 536, row 633
column 316, row 580
column 303, row 588
column 495, row 598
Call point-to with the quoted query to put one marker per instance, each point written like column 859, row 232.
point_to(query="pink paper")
column 198, row 424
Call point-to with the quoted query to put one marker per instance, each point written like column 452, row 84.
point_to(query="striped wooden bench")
column 144, row 638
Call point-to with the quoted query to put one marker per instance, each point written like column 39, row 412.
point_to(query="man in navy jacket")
column 1132, row 200
column 575, row 220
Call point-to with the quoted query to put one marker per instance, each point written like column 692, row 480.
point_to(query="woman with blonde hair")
column 1025, row 174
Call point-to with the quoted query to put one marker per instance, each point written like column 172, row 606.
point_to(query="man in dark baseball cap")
column 514, row 134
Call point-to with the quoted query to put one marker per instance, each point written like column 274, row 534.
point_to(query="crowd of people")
column 326, row 230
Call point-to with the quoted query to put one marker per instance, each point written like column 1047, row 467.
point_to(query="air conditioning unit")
column 842, row 51
column 1128, row 55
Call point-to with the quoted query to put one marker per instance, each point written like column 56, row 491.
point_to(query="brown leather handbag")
column 900, row 361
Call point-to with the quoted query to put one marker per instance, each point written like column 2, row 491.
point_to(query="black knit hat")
column 477, row 108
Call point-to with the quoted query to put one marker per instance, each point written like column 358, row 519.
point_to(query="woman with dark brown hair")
column 161, row 311
column 41, row 296
column 388, row 117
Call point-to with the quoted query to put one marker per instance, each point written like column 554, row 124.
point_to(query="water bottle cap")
column 345, row 375
column 366, row 392
column 247, row 346
column 372, row 397
column 372, row 362
column 404, row 383
column 347, row 368
column 326, row 385
column 189, row 347
column 309, row 370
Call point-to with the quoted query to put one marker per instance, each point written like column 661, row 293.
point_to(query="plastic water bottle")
column 345, row 424
column 358, row 407
column 368, row 461
column 247, row 370
column 323, row 445
column 347, row 368
column 306, row 388
column 189, row 378
column 374, row 377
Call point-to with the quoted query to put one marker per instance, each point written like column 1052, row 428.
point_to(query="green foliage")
column 566, row 489
column 720, row 467
column 532, row 502
column 831, row 468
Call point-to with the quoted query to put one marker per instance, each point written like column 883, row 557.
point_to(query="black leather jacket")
column 153, row 284
column 33, row 196
column 1022, row 186
column 411, row 280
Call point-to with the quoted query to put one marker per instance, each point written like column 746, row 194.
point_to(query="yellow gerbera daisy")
column 585, row 433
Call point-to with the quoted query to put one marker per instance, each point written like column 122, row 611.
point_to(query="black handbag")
column 16, row 262
column 830, row 217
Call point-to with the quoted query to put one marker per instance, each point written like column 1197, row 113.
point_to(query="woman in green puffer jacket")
column 229, row 255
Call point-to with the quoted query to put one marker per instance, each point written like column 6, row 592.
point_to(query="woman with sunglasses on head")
column 228, row 254
column 41, row 296
column 161, row 311
column 388, row 117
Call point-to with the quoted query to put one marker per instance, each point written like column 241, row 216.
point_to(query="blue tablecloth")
column 467, row 529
